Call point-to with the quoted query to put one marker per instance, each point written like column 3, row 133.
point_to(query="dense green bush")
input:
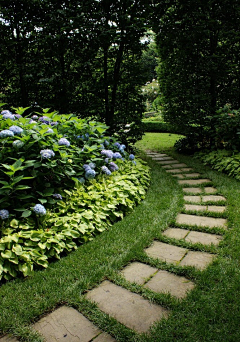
column 62, row 182
column 222, row 160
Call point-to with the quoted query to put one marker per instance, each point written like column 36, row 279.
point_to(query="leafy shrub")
column 63, row 182
column 223, row 161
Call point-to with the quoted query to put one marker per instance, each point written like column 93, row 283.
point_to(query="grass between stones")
column 209, row 313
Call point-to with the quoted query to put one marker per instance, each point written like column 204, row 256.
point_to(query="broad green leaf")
column 26, row 213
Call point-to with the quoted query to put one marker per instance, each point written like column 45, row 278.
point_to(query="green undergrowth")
column 210, row 312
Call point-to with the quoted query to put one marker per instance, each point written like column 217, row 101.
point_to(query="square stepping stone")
column 199, row 260
column 195, row 207
column 66, row 324
column 203, row 238
column 138, row 272
column 194, row 199
column 8, row 338
column 192, row 190
column 166, row 252
column 194, row 181
column 176, row 233
column 128, row 308
column 213, row 198
column 166, row 282
column 192, row 175
column 170, row 162
column 210, row 190
column 201, row 221
column 174, row 171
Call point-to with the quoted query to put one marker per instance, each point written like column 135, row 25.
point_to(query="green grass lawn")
column 211, row 312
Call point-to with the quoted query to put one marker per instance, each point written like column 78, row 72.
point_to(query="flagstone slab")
column 138, row 272
column 66, row 324
column 168, row 166
column 210, row 190
column 180, row 176
column 176, row 233
column 194, row 199
column 192, row 175
column 104, row 337
column 201, row 221
column 162, row 158
column 194, row 181
column 174, row 171
column 166, row 282
column 199, row 260
column 195, row 207
column 193, row 190
column 8, row 338
column 213, row 198
column 128, row 308
column 204, row 238
column 156, row 154
column 166, row 252
column 180, row 165
column 187, row 169
column 216, row 208
column 170, row 162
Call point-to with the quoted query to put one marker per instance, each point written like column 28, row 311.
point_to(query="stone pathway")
column 131, row 309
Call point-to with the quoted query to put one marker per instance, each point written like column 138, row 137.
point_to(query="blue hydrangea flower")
column 6, row 133
column 39, row 210
column 32, row 121
column 113, row 167
column 18, row 144
column 9, row 116
column 117, row 144
column 131, row 156
column 35, row 117
column 16, row 130
column 123, row 146
column 18, row 116
column 47, row 154
column 134, row 162
column 117, row 155
column 81, row 180
column 106, row 170
column 63, row 141
column 106, row 160
column 4, row 214
column 92, row 165
column 87, row 167
column 54, row 123
column 5, row 111
column 107, row 153
column 49, row 130
column 90, row 174
column 57, row 196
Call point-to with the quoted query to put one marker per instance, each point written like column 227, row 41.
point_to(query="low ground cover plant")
column 62, row 182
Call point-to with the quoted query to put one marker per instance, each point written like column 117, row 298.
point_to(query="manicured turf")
column 210, row 312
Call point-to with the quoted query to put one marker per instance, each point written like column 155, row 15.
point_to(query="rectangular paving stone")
column 156, row 154
column 8, row 338
column 66, row 324
column 180, row 165
column 213, row 198
column 166, row 252
column 166, row 282
column 128, row 308
column 137, row 272
column 199, row 260
column 166, row 162
column 191, row 175
column 194, row 199
column 204, row 238
column 210, row 190
column 201, row 221
column 104, row 338
column 194, row 181
column 187, row 169
column 162, row 158
column 180, row 176
column 195, row 207
column 168, row 166
column 176, row 233
column 192, row 190
column 174, row 171
column 216, row 208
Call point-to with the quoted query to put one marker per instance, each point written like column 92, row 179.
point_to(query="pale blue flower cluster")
column 6, row 133
column 113, row 167
column 106, row 170
column 18, row 144
column 16, row 130
column 63, row 141
column 117, row 144
column 49, row 130
column 117, row 155
column 47, row 154
column 92, row 165
column 131, row 156
column 5, row 111
column 57, row 196
column 107, row 153
column 9, row 116
column 4, row 214
column 35, row 117
column 39, row 210
column 90, row 174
